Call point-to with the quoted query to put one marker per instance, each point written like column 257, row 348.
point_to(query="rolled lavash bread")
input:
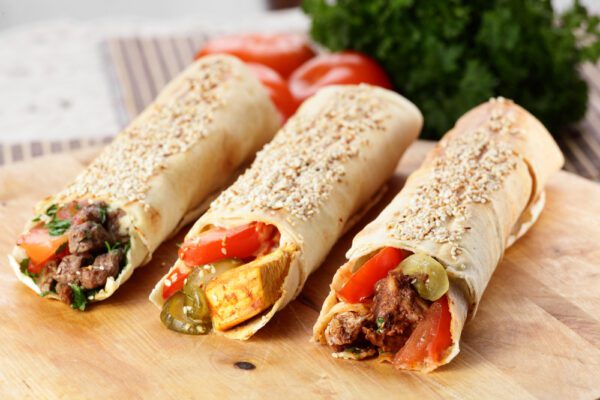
column 163, row 169
column 324, row 166
column 477, row 191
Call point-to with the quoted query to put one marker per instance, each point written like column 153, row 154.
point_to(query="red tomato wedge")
column 219, row 243
column 361, row 284
column 68, row 211
column 343, row 68
column 430, row 338
column 277, row 88
column 40, row 247
column 281, row 52
column 174, row 281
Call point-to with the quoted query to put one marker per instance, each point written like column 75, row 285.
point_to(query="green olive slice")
column 430, row 277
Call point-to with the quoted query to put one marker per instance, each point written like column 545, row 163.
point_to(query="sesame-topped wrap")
column 418, row 271
column 249, row 255
column 155, row 176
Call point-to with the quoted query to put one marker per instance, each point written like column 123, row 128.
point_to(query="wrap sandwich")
column 249, row 255
column 418, row 271
column 156, row 175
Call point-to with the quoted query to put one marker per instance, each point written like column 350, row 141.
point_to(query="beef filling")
column 394, row 313
column 104, row 266
column 97, row 252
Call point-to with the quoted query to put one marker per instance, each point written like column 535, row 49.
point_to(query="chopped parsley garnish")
column 24, row 264
column 354, row 350
column 52, row 210
column 61, row 248
column 79, row 297
column 36, row 219
column 380, row 323
column 57, row 227
column 103, row 213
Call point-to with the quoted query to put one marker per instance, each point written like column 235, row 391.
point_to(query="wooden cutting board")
column 536, row 334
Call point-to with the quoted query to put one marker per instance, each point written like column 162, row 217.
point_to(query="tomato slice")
column 343, row 68
column 219, row 243
column 40, row 247
column 281, row 52
column 174, row 281
column 277, row 88
column 430, row 338
column 361, row 284
column 68, row 211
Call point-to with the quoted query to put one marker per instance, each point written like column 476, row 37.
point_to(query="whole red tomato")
column 343, row 68
column 281, row 52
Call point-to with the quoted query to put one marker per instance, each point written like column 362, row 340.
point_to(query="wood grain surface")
column 536, row 334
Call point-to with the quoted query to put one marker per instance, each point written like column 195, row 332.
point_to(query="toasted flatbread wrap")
column 155, row 176
column 478, row 190
column 305, row 188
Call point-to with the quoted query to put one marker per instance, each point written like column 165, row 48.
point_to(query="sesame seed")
column 299, row 169
column 468, row 170
column 170, row 126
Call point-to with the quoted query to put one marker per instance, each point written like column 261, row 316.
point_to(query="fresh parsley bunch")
column 449, row 55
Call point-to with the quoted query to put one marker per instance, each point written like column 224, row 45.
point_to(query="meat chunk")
column 397, row 308
column 104, row 266
column 94, row 212
column 87, row 237
column 344, row 330
column 114, row 228
column 69, row 269
column 65, row 293
column 47, row 276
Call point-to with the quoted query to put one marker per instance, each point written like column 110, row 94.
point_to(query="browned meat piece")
column 47, row 276
column 87, row 237
column 112, row 225
column 65, row 293
column 344, row 330
column 104, row 265
column 397, row 308
column 95, row 212
column 68, row 270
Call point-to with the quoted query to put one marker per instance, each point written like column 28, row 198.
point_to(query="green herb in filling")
column 380, row 322
column 79, row 297
column 61, row 248
column 24, row 264
column 51, row 211
column 103, row 213
column 58, row 227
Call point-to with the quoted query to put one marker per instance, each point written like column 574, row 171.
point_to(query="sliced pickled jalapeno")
column 175, row 317
column 431, row 279
column 187, row 310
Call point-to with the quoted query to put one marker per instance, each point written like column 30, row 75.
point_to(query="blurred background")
column 74, row 72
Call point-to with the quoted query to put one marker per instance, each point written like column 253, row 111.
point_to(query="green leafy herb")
column 24, row 267
column 57, row 227
column 449, row 56
column 61, row 248
column 79, row 297
column 103, row 213
column 354, row 350
column 52, row 210
column 108, row 246
column 380, row 323
column 36, row 219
